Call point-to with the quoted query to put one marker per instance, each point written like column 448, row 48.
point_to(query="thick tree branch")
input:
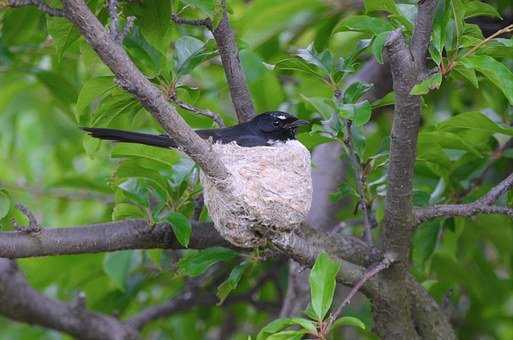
column 241, row 97
column 422, row 33
column 393, row 313
column 398, row 204
column 40, row 4
column 20, row 302
column 225, row 39
column 484, row 205
column 132, row 80
column 127, row 234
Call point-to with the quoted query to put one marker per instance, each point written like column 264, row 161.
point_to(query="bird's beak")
column 296, row 123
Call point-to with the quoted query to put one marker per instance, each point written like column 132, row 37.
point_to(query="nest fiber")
column 269, row 188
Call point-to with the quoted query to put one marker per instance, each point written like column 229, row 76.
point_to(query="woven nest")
column 269, row 188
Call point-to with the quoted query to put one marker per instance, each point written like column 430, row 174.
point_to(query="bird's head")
column 278, row 125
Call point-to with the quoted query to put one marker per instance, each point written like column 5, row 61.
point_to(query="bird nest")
column 269, row 188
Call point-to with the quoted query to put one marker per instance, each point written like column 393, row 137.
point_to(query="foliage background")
column 51, row 83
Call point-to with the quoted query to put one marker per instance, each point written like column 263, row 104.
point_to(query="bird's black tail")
column 162, row 141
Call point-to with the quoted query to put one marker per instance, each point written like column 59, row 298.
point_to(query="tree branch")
column 40, row 4
column 241, row 97
column 131, row 79
column 225, row 39
column 422, row 33
column 20, row 302
column 203, row 112
column 194, row 296
column 361, row 182
column 127, row 234
column 373, row 270
column 33, row 225
column 484, row 205
column 493, row 195
column 192, row 22
column 452, row 210
column 392, row 314
column 115, row 31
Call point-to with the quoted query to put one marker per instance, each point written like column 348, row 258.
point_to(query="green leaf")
column 365, row 24
column 194, row 263
column 190, row 52
column 467, row 73
column 116, row 103
column 167, row 157
column 144, row 55
column 92, row 89
column 476, row 121
column 296, row 64
column 123, row 211
column 59, row 86
column 424, row 243
column 152, row 17
column 378, row 43
column 275, row 326
column 138, row 190
column 63, row 33
column 132, row 168
column 232, row 281
column 478, row 8
column 388, row 99
column 287, row 335
column 390, row 7
column 355, row 91
column 449, row 140
column 206, row 6
column 439, row 36
column 430, row 83
column 322, row 284
column 5, row 204
column 323, row 60
column 359, row 113
column 181, row 227
column 494, row 70
column 348, row 321
column 321, row 105
column 117, row 267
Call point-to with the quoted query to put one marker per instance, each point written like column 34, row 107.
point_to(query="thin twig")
column 462, row 210
column 387, row 261
column 40, row 4
column 204, row 112
column 359, row 175
column 196, row 296
column 493, row 195
column 33, row 226
column 360, row 180
column 114, row 30
column 507, row 29
column 206, row 22
column 484, row 205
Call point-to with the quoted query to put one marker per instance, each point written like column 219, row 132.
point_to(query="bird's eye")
column 276, row 122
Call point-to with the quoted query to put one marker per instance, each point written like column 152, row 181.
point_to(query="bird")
column 263, row 130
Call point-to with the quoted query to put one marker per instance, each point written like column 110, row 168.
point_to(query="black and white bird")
column 263, row 130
